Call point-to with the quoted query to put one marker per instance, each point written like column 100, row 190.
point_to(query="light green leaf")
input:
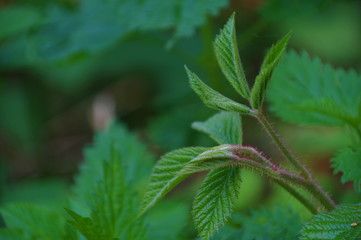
column 341, row 223
column 304, row 90
column 227, row 54
column 348, row 161
column 86, row 226
column 223, row 127
column 271, row 60
column 35, row 221
column 165, row 174
column 215, row 200
column 212, row 98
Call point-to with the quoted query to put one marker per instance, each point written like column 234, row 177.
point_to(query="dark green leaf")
column 223, row 127
column 227, row 54
column 212, row 98
column 348, row 161
column 165, row 174
column 341, row 224
column 215, row 200
column 271, row 60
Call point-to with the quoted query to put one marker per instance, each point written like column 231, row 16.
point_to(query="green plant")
column 216, row 196
column 106, row 199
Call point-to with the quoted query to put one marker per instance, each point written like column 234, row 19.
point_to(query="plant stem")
column 314, row 187
column 308, row 204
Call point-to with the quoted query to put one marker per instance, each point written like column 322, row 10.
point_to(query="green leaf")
column 133, row 155
column 212, row 98
column 341, row 223
column 348, row 161
column 304, row 90
column 109, row 185
column 35, row 221
column 86, row 226
column 165, row 174
column 223, row 127
column 268, row 223
column 271, row 60
column 227, row 54
column 215, row 200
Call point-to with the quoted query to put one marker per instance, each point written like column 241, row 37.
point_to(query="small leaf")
column 271, row 60
column 348, row 161
column 226, row 50
column 337, row 224
column 86, row 226
column 212, row 98
column 223, row 127
column 215, row 200
column 165, row 174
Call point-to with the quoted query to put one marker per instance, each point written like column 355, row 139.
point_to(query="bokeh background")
column 68, row 66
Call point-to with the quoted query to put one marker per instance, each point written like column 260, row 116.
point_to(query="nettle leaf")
column 165, row 174
column 341, row 223
column 34, row 221
column 215, row 200
column 226, row 50
column 212, row 98
column 348, row 161
column 107, row 190
column 271, row 60
column 304, row 90
column 223, row 127
column 86, row 226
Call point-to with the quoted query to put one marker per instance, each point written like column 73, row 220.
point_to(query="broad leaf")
column 212, row 98
column 341, row 223
column 223, row 127
column 271, row 60
column 304, row 90
column 215, row 200
column 348, row 161
column 165, row 174
column 35, row 221
column 13, row 234
column 227, row 54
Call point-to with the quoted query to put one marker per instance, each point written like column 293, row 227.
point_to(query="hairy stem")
column 307, row 203
column 314, row 187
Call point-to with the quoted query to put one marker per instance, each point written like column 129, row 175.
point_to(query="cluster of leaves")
column 104, row 201
column 215, row 198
